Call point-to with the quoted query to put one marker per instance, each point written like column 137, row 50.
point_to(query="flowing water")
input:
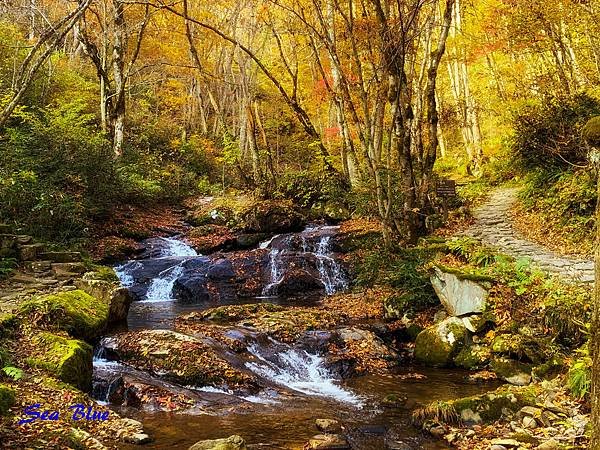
column 296, row 385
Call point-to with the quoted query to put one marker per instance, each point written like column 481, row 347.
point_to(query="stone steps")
column 493, row 227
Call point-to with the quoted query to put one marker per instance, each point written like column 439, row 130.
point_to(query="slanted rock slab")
column 459, row 294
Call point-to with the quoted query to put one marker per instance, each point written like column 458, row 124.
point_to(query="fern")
column 13, row 372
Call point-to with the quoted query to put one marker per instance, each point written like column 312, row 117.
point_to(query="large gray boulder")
column 459, row 294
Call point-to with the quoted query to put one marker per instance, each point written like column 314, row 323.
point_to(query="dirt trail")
column 493, row 227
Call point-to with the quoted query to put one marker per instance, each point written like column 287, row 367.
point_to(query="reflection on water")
column 289, row 424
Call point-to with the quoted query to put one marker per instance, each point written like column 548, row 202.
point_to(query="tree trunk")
column 119, row 44
column 594, row 342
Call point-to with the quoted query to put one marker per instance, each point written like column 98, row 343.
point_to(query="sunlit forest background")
column 330, row 103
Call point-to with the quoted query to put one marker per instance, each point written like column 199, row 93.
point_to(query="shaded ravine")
column 296, row 385
column 493, row 226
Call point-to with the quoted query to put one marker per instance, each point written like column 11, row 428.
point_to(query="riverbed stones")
column 327, row 442
column 458, row 293
column 233, row 442
column 437, row 345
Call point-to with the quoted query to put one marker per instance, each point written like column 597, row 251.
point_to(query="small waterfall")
column 300, row 371
column 175, row 247
column 331, row 273
column 277, row 270
column 162, row 286
column 315, row 241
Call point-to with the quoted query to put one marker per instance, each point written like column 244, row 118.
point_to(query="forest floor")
column 494, row 226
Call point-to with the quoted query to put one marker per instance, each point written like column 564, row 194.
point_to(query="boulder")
column 250, row 240
column 297, row 280
column 75, row 312
column 328, row 425
column 437, row 345
column 116, row 297
column 234, row 442
column 511, row 371
column 177, row 357
column 69, row 360
column 272, row 217
column 458, row 293
column 7, row 398
column 221, row 269
column 327, row 442
column 191, row 289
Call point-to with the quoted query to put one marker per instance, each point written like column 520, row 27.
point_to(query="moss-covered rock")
column 75, row 312
column 524, row 347
column 473, row 357
column 511, row 371
column 488, row 407
column 437, row 345
column 231, row 443
column 479, row 408
column 70, row 360
column 460, row 292
column 591, row 131
column 7, row 398
column 109, row 291
column 8, row 322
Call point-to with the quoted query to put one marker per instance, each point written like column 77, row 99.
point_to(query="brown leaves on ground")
column 209, row 238
column 116, row 236
column 49, row 434
column 367, row 304
column 544, row 230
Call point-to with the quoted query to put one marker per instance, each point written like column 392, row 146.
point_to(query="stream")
column 296, row 385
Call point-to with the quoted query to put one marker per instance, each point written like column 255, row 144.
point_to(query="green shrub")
column 579, row 378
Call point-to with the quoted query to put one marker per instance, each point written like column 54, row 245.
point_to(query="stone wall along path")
column 493, row 227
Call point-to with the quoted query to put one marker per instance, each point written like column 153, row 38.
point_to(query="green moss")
column 464, row 274
column 8, row 323
column 488, row 407
column 437, row 345
column 7, row 398
column 75, row 312
column 104, row 273
column 591, row 131
column 473, row 357
column 70, row 360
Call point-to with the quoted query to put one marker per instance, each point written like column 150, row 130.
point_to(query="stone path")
column 493, row 227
